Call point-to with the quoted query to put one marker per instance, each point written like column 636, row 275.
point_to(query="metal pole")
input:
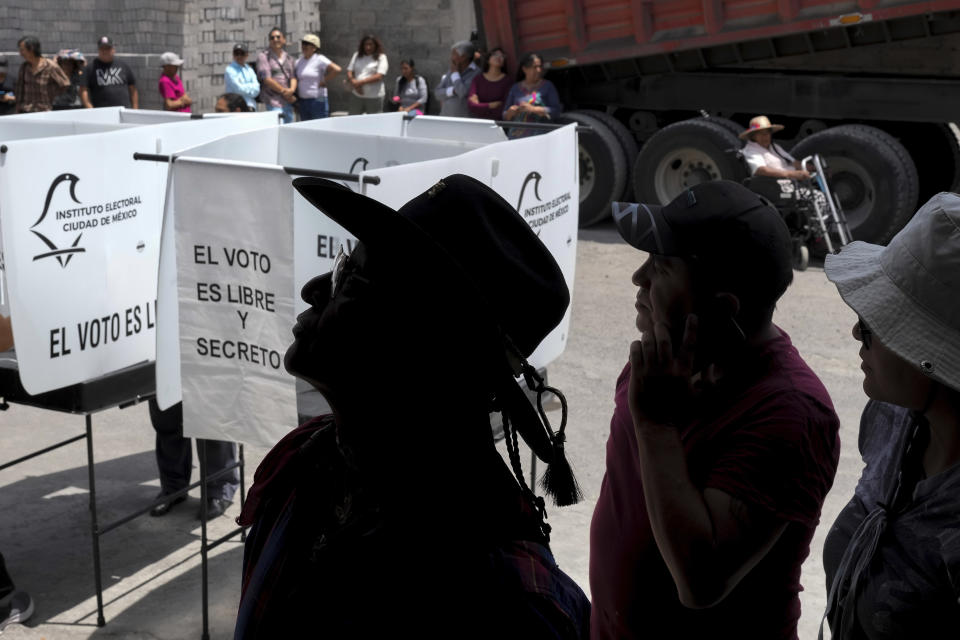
column 202, row 450
column 94, row 532
column 243, row 492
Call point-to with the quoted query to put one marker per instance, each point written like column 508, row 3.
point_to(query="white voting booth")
column 230, row 278
column 80, row 221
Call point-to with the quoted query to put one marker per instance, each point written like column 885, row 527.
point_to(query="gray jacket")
column 452, row 92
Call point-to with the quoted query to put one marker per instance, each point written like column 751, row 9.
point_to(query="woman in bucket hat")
column 397, row 512
column 892, row 557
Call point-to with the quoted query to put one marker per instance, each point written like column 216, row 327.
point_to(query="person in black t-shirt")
column 109, row 82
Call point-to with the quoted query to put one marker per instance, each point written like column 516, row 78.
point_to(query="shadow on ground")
column 46, row 541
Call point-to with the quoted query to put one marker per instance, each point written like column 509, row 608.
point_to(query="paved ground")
column 151, row 566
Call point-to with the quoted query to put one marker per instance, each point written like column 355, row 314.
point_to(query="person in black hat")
column 397, row 512
column 110, row 82
column 723, row 442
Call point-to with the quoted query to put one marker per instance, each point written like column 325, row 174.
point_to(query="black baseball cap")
column 724, row 226
column 104, row 41
column 240, row 47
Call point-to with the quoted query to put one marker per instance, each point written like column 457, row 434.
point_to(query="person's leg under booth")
column 16, row 607
column 175, row 461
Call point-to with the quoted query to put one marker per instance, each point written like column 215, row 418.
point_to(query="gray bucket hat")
column 908, row 292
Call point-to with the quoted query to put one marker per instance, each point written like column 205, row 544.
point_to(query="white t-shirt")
column 364, row 67
column 758, row 156
column 309, row 73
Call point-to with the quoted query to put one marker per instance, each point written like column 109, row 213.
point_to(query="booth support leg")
column 243, row 492
column 94, row 528
column 202, row 451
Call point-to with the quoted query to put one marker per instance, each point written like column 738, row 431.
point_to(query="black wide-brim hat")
column 474, row 238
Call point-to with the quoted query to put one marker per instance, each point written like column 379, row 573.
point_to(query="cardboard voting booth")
column 80, row 223
column 230, row 278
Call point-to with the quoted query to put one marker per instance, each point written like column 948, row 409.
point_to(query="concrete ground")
column 151, row 567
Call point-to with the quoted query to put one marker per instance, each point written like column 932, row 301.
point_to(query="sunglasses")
column 866, row 335
column 343, row 270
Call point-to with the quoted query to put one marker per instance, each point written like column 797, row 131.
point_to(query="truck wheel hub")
column 681, row 169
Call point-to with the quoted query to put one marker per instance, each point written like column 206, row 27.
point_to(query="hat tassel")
column 558, row 480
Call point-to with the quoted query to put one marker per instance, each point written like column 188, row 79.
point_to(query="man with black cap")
column 723, row 442
column 110, row 82
column 240, row 78
column 396, row 515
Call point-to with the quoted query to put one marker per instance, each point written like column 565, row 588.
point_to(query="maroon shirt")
column 767, row 436
column 488, row 92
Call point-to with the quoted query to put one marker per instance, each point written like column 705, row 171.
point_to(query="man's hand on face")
column 661, row 384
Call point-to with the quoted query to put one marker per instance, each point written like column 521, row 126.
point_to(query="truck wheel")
column 684, row 154
column 603, row 168
column 871, row 173
column 727, row 124
column 627, row 143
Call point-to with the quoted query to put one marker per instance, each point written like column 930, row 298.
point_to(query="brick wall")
column 203, row 32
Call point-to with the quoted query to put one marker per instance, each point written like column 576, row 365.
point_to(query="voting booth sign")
column 227, row 298
column 81, row 222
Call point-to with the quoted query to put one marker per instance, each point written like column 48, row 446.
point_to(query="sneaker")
column 16, row 610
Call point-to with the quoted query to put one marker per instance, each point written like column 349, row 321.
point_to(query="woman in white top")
column 766, row 157
column 313, row 71
column 365, row 75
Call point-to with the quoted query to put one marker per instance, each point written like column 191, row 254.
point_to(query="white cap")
column 170, row 58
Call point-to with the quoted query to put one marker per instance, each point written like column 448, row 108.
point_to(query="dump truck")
column 666, row 86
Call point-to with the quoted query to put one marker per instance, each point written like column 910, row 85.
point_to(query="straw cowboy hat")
column 760, row 123
column 906, row 292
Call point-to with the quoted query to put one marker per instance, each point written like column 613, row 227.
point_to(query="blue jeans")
column 286, row 112
column 312, row 108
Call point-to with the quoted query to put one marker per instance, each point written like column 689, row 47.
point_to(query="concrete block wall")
column 140, row 29
column 203, row 32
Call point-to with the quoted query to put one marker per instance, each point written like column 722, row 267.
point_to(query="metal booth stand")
column 121, row 389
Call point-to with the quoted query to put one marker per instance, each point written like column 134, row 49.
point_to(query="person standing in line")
column 240, row 79
column 16, row 607
column 175, row 463
column 313, row 70
column 72, row 63
column 110, row 82
column 489, row 89
column 892, row 557
column 174, row 96
column 39, row 81
column 365, row 74
column 8, row 100
column 454, row 85
column 278, row 80
column 723, row 442
column 410, row 94
column 532, row 98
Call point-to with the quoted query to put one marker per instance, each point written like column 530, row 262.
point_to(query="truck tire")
column 627, row 143
column 871, row 173
column 603, row 168
column 727, row 124
column 684, row 154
